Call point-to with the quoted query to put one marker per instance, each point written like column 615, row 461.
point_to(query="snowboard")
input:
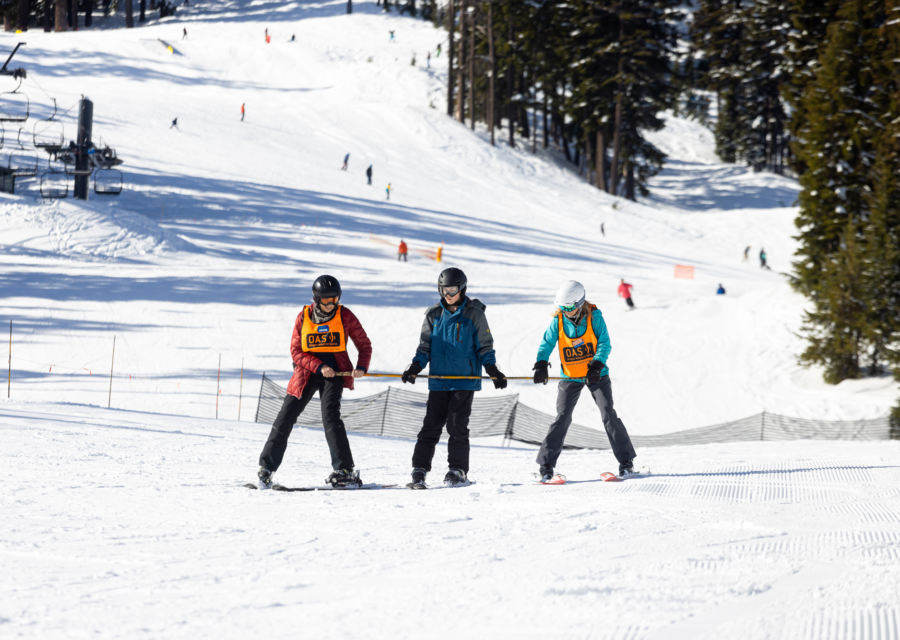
column 419, row 486
column 610, row 477
column 278, row 487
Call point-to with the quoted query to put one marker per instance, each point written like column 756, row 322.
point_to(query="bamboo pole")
column 241, row 392
column 218, row 378
column 400, row 375
column 111, row 365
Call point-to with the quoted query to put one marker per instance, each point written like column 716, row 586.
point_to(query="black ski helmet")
column 326, row 287
column 452, row 277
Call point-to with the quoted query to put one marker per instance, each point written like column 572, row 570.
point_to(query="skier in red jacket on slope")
column 319, row 350
column 625, row 292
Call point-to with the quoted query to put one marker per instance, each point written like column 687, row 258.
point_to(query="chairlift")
column 70, row 162
column 22, row 163
column 54, row 184
column 107, row 182
column 14, row 106
column 49, row 134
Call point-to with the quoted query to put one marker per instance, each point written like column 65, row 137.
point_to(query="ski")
column 278, row 487
column 416, row 485
column 556, row 479
column 610, row 477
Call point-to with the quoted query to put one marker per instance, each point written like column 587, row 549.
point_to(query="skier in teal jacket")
column 583, row 348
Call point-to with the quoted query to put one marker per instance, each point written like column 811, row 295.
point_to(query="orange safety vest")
column 328, row 337
column 575, row 354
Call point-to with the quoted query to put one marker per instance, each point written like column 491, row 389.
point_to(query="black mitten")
column 499, row 379
column 411, row 372
column 541, row 372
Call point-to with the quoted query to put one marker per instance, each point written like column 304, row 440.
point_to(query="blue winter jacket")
column 550, row 341
column 456, row 344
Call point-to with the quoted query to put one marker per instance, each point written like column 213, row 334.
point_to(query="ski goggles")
column 568, row 308
column 448, row 291
column 328, row 301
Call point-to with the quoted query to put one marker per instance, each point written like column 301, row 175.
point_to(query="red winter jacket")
column 625, row 290
column 307, row 363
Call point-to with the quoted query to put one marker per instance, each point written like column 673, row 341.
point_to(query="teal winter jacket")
column 550, row 341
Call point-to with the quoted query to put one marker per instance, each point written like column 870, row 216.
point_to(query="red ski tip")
column 557, row 479
column 610, row 477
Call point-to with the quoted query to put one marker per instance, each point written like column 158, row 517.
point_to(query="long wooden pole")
column 400, row 375
column 218, row 378
column 241, row 392
column 111, row 365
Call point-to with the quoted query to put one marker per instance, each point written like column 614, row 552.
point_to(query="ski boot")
column 343, row 478
column 265, row 478
column 546, row 474
column 418, row 479
column 626, row 468
column 455, row 478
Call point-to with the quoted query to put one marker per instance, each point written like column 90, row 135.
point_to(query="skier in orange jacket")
column 401, row 255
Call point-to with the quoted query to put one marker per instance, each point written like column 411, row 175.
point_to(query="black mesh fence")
column 399, row 413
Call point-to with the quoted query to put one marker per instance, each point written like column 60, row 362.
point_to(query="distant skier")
column 402, row 251
column 243, row 111
column 603, row 229
column 747, row 253
column 319, row 349
column 346, row 160
column 762, row 260
column 293, row 38
column 175, row 125
column 578, row 332
column 388, row 191
column 721, row 290
column 625, row 292
column 369, row 174
column 184, row 37
column 457, row 341
column 438, row 54
column 428, row 61
column 392, row 36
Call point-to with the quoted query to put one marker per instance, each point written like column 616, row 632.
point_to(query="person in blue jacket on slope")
column 455, row 341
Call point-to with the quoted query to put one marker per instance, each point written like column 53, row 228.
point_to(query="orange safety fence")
column 682, row 271
column 435, row 255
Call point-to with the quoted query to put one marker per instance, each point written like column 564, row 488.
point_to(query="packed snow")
column 132, row 521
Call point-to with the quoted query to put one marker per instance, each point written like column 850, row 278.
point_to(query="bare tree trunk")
column 587, row 156
column 48, row 15
column 544, row 114
column 601, row 161
column 493, row 68
column 511, row 111
column 629, row 180
column 617, row 138
column 451, row 27
column 523, row 111
column 472, row 68
column 464, row 34
column 143, row 10
column 72, row 15
column 129, row 15
column 61, row 18
column 89, row 13
column 533, row 116
column 23, row 15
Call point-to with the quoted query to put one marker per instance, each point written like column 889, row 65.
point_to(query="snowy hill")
column 235, row 219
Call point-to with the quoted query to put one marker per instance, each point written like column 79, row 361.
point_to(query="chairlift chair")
column 54, row 185
column 49, row 134
column 21, row 162
column 14, row 106
column 70, row 163
column 107, row 182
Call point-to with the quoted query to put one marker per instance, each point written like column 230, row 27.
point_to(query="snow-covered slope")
column 123, row 525
column 237, row 219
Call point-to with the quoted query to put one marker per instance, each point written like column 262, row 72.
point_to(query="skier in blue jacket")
column 456, row 341
column 578, row 332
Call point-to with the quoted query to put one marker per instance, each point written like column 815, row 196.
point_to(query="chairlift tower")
column 83, row 141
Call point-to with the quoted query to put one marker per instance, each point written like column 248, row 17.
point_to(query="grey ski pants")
column 569, row 392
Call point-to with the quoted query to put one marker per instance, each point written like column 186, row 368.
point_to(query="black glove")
column 541, row 372
column 594, row 370
column 411, row 372
column 499, row 379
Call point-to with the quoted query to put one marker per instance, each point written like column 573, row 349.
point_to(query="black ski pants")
column 567, row 398
column 451, row 408
column 330, row 392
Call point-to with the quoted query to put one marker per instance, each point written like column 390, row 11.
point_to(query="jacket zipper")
column 458, row 339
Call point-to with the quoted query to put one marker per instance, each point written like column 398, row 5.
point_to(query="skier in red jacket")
column 625, row 292
column 319, row 350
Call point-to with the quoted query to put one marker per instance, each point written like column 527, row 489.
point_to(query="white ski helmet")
column 570, row 294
